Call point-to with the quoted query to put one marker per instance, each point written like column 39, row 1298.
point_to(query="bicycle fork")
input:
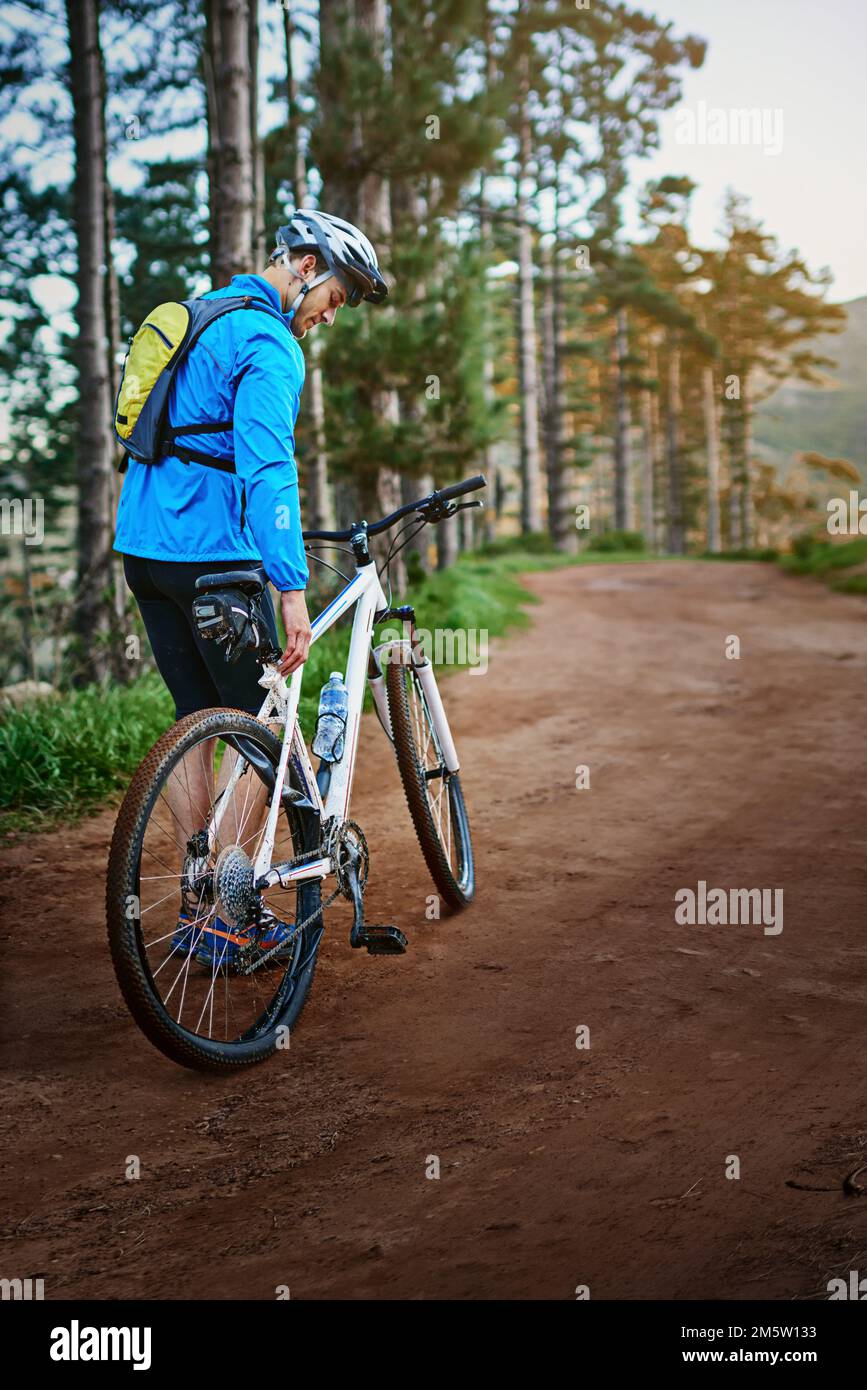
column 408, row 651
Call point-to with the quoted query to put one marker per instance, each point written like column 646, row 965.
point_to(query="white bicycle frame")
column 281, row 704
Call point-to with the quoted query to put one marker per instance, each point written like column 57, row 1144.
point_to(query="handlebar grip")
column 458, row 489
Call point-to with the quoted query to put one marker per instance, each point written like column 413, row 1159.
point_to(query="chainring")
column 349, row 834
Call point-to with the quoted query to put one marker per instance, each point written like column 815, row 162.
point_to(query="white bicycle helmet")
column 346, row 251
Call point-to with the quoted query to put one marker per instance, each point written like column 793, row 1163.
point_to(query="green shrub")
column 810, row 556
column 803, row 544
column 851, row 584
column 67, row 753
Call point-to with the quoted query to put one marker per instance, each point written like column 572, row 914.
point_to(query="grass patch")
column 826, row 560
column 850, row 584
column 810, row 556
column 768, row 553
column 63, row 757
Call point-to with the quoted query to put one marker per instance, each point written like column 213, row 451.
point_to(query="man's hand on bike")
column 293, row 606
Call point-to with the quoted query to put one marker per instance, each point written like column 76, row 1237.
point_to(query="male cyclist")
column 180, row 518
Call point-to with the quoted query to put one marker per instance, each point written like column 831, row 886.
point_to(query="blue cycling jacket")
column 248, row 367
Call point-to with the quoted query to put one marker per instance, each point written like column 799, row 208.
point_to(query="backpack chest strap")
column 172, row 432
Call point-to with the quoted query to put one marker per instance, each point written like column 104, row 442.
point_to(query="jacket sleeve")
column 269, row 379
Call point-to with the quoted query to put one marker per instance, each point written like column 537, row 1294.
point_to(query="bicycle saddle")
column 250, row 582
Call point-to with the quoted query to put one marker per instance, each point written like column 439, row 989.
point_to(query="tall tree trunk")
column 559, row 518
column 256, row 145
column 675, row 483
column 489, row 463
column 412, row 488
column 121, row 669
column 531, row 514
column 210, row 66
column 562, row 528
column 320, row 502
column 407, row 217
column 546, row 325
column 648, row 461
column 659, row 466
column 560, row 477
column 340, row 180
column 489, row 459
column 711, row 429
column 27, row 642
column 447, row 543
column 297, row 160
column 622, row 423
column 748, row 518
column 731, row 435
column 94, row 440
column 230, row 146
column 374, row 213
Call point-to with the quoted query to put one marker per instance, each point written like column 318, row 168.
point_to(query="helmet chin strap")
column 305, row 287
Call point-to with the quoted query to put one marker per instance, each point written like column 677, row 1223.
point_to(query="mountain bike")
column 227, row 835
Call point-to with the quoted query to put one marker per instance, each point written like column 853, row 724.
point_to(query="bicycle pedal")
column 381, row 941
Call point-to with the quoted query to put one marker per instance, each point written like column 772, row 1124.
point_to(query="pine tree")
column 765, row 307
column 95, row 442
column 231, row 152
column 404, row 127
column 319, row 511
column 622, row 116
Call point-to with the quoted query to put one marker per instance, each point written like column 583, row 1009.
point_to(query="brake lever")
column 439, row 511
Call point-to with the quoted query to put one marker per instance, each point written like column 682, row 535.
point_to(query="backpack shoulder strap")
column 204, row 311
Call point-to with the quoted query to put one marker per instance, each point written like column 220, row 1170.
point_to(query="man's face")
column 319, row 305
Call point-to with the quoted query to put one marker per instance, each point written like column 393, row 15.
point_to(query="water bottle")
column 331, row 724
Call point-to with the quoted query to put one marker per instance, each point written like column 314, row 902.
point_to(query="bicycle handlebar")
column 436, row 504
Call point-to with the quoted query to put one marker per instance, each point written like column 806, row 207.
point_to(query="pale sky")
column 808, row 60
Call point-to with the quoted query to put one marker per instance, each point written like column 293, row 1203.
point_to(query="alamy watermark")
column 444, row 646
column 855, row 1289
column 847, row 516
column 721, row 907
column 714, row 125
column 77, row 1343
column 22, row 1290
column 23, row 516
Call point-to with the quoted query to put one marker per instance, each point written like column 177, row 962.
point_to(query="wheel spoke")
column 189, row 952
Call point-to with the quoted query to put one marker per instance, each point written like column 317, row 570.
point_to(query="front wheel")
column 434, row 794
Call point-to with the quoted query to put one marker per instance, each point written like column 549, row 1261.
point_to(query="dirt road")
column 602, row 1166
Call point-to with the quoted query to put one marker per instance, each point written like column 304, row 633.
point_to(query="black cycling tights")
column 194, row 669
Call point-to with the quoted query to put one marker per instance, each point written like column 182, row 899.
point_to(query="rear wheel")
column 194, row 946
column 434, row 794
